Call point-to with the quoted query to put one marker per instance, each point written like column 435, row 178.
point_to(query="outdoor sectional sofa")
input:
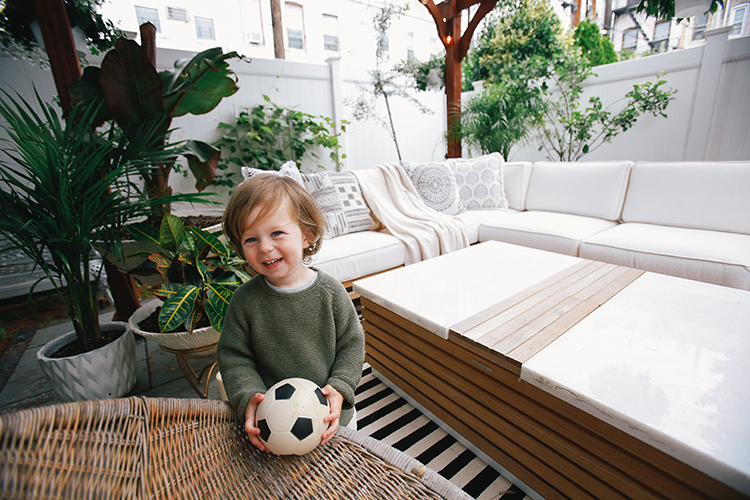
column 686, row 219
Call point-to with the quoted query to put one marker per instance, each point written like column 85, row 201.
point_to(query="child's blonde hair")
column 269, row 190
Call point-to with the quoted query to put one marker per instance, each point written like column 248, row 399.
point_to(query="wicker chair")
column 190, row 448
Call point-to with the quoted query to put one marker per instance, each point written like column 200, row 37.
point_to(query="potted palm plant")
column 65, row 187
column 199, row 276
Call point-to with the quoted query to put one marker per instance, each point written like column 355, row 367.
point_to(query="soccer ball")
column 290, row 417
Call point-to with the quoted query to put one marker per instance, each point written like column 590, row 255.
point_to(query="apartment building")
column 637, row 32
column 313, row 30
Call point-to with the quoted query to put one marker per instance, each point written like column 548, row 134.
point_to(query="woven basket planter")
column 181, row 341
column 104, row 373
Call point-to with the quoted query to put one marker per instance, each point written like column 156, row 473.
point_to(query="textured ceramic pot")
column 107, row 372
column 179, row 341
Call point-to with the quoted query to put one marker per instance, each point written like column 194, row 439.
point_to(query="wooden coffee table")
column 582, row 379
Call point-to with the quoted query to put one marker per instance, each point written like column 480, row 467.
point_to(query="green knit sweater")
column 269, row 336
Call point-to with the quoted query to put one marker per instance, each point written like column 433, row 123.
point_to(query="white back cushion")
column 590, row 188
column 516, row 175
column 701, row 195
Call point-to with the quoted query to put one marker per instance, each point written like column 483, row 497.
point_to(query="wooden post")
column 61, row 49
column 453, row 82
column 447, row 17
column 278, row 30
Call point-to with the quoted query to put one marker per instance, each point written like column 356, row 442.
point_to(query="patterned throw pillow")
column 341, row 201
column 480, row 181
column 288, row 169
column 436, row 185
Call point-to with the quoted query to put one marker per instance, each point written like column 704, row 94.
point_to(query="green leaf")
column 217, row 301
column 131, row 85
column 226, row 278
column 204, row 238
column 202, row 160
column 196, row 86
column 162, row 264
column 166, row 290
column 192, row 322
column 143, row 231
column 178, row 308
column 171, row 232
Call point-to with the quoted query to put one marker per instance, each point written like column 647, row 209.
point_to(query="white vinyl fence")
column 709, row 118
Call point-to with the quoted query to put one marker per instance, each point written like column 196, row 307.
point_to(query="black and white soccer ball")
column 290, row 417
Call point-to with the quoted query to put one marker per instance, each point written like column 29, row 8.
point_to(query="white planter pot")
column 179, row 341
column 107, row 372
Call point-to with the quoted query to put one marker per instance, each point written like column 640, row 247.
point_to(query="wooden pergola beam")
column 63, row 60
column 60, row 47
column 447, row 17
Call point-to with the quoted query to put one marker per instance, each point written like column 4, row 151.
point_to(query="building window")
column 629, row 39
column 661, row 36
column 699, row 27
column 177, row 14
column 295, row 26
column 330, row 32
column 204, row 28
column 739, row 19
column 409, row 45
column 251, row 21
column 147, row 15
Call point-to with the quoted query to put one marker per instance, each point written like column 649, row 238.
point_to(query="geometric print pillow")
column 436, row 185
column 340, row 199
column 480, row 181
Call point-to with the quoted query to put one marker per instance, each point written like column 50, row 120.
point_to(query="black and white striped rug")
column 384, row 415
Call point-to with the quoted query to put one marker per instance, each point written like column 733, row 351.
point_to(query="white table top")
column 667, row 360
column 437, row 294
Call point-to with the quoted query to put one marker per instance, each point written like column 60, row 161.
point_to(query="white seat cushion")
column 561, row 233
column 711, row 256
column 475, row 218
column 593, row 188
column 355, row 255
column 698, row 195
column 516, row 177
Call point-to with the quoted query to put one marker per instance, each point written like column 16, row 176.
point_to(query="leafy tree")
column 568, row 132
column 420, row 70
column 18, row 39
column 384, row 84
column 514, row 52
column 498, row 118
column 269, row 135
column 515, row 33
column 594, row 46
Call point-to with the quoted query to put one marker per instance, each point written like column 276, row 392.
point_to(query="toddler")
column 290, row 320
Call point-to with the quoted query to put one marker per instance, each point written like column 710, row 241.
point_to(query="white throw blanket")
column 395, row 201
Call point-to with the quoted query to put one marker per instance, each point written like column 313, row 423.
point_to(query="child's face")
column 273, row 246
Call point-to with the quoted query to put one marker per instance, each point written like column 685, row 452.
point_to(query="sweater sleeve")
column 235, row 355
column 350, row 347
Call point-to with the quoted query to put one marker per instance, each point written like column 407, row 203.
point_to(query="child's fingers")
column 250, row 429
column 328, row 434
column 336, row 400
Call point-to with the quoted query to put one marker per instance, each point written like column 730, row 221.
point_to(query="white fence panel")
column 709, row 118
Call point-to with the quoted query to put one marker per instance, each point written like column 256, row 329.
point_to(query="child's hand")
column 336, row 400
column 250, row 428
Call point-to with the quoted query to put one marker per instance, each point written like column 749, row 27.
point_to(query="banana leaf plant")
column 199, row 270
column 135, row 93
